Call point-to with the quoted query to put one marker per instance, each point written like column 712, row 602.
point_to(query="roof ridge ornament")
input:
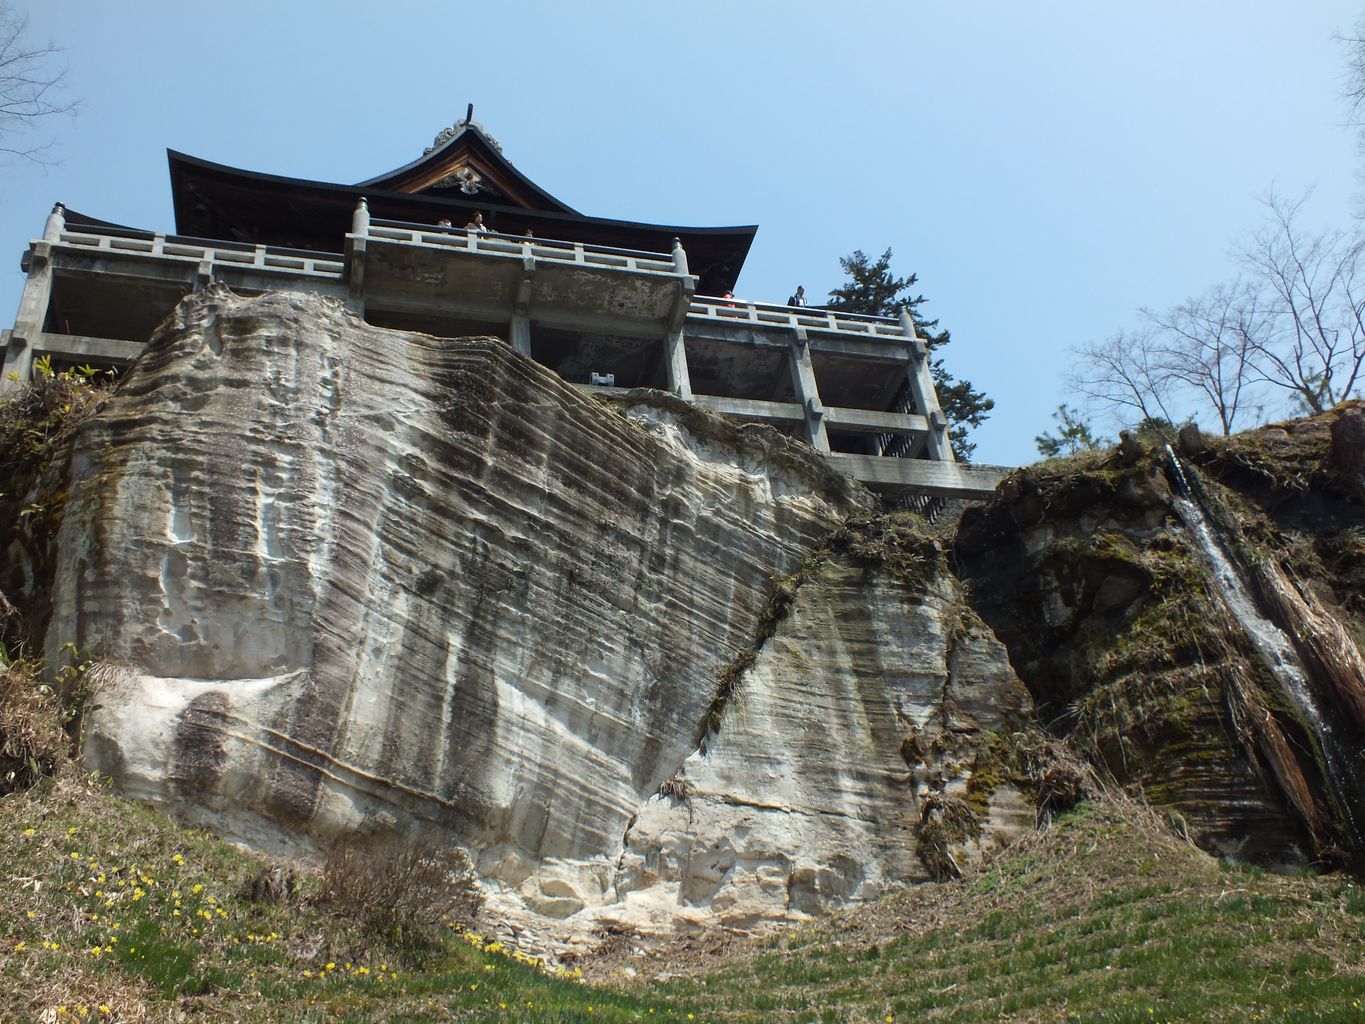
column 446, row 134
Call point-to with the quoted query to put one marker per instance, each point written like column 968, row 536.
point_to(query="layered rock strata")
column 372, row 582
column 1128, row 640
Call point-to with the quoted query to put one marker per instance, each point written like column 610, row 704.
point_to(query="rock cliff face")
column 1128, row 633
column 364, row 581
column 652, row 669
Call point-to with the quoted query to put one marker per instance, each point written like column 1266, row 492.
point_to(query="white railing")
column 546, row 249
column 260, row 257
column 764, row 314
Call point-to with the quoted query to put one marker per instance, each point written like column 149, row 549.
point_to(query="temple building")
column 458, row 243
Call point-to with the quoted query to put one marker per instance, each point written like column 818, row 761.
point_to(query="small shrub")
column 947, row 821
column 401, row 889
column 272, row 884
column 678, row 787
column 33, row 739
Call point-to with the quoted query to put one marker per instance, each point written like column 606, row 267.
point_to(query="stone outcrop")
column 806, row 797
column 364, row 581
column 649, row 668
column 1130, row 646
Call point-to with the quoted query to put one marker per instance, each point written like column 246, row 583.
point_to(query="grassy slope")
column 1105, row 916
column 110, row 912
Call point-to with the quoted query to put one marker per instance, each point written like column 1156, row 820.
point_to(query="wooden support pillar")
column 675, row 339
column 33, row 304
column 923, row 394
column 355, row 258
column 807, row 393
column 521, row 335
column 521, row 314
column 675, row 358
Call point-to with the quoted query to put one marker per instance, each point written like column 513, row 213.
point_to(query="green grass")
column 110, row 912
column 1106, row 917
column 108, row 908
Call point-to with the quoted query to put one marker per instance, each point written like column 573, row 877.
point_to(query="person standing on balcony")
column 476, row 224
column 799, row 299
column 444, row 222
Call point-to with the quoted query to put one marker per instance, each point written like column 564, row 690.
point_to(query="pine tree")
column 1073, row 434
column 873, row 290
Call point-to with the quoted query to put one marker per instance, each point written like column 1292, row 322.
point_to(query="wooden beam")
column 921, row 476
column 865, row 421
column 753, row 409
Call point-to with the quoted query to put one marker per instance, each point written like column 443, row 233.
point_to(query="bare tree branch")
column 30, row 90
column 1314, row 346
column 1206, row 346
column 1126, row 376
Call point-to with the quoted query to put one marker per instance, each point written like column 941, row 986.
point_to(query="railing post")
column 675, row 338
column 31, row 319
column 921, row 381
column 360, row 219
column 355, row 258
column 56, row 224
column 807, row 392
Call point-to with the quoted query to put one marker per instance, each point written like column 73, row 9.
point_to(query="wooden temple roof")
column 464, row 172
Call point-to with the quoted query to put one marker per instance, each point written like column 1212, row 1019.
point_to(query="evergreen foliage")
column 873, row 290
column 1073, row 434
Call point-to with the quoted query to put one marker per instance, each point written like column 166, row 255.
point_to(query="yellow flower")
column 18, row 947
column 104, row 1008
column 178, row 859
column 28, row 831
column 331, row 966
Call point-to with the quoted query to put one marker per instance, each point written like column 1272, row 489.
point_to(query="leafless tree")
column 1206, row 345
column 1354, row 91
column 1314, row 290
column 1126, row 375
column 30, row 89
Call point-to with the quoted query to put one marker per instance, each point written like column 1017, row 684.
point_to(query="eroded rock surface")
column 805, row 797
column 1131, row 645
column 366, row 581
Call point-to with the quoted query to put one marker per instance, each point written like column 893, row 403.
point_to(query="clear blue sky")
column 1045, row 168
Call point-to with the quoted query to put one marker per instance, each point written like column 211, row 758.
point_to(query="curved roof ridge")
column 463, row 133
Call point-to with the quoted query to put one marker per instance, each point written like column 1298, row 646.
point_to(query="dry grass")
column 401, row 889
column 33, row 741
